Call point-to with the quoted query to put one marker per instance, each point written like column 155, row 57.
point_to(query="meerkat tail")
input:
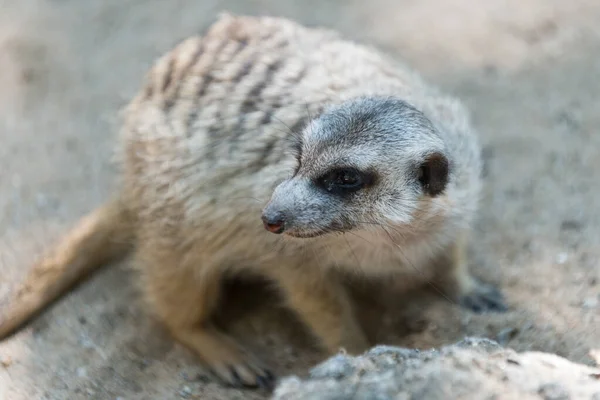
column 104, row 235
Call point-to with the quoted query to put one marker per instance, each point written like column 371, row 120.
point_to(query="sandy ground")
column 529, row 71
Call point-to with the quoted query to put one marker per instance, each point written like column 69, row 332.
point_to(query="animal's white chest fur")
column 384, row 254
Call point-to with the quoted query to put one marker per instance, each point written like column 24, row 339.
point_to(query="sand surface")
column 530, row 71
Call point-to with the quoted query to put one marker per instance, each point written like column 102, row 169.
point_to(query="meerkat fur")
column 261, row 117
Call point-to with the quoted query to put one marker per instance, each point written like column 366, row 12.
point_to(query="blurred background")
column 528, row 70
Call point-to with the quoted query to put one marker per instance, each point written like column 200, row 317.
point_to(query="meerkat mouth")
column 298, row 235
column 313, row 234
column 306, row 235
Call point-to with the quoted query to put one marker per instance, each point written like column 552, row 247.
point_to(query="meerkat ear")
column 433, row 174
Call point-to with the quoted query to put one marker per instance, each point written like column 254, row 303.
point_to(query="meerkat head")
column 366, row 162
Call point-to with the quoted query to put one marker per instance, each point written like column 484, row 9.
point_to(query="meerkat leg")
column 462, row 286
column 185, row 299
column 323, row 304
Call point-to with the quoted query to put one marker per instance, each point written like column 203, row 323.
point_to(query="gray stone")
column 472, row 368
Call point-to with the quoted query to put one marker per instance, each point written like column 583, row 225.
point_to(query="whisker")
column 360, row 237
column 246, row 198
column 353, row 253
column 284, row 124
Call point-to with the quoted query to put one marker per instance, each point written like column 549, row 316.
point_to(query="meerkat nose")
column 273, row 223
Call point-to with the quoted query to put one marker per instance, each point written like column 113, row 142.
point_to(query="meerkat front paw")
column 483, row 297
column 238, row 370
column 226, row 360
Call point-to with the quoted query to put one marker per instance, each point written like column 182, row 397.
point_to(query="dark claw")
column 263, row 383
column 269, row 375
column 267, row 381
column 236, row 381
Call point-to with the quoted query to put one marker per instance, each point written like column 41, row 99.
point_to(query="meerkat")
column 268, row 147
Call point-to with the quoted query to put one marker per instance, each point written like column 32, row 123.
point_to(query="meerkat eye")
column 342, row 180
column 347, row 178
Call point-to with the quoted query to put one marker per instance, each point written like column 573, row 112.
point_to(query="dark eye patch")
column 433, row 174
column 344, row 180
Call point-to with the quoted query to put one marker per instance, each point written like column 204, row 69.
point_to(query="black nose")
column 273, row 223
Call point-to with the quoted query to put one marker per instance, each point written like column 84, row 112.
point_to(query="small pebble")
column 81, row 372
column 6, row 361
column 595, row 354
column 562, row 258
column 86, row 342
column 570, row 225
column 185, row 392
column 590, row 303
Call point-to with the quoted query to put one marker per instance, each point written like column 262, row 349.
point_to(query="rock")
column 5, row 361
column 472, row 368
column 185, row 392
column 553, row 391
column 595, row 354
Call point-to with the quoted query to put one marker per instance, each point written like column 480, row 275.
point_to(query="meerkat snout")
column 274, row 222
column 290, row 209
column 299, row 208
